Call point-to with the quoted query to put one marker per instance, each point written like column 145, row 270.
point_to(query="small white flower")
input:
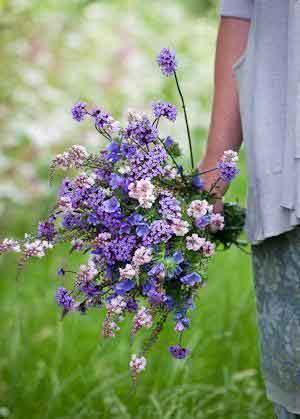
column 230, row 156
column 36, row 248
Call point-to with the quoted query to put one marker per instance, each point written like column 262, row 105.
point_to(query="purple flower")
column 64, row 299
column 159, row 231
column 46, row 230
column 148, row 164
column 155, row 297
column 202, row 222
column 124, row 286
column 169, row 207
column 79, row 111
column 128, row 150
column 131, row 305
column 178, row 352
column 111, row 205
column 102, row 119
column 166, row 60
column 164, row 109
column 117, row 181
column 142, row 229
column 61, row 272
column 191, row 279
column 140, row 130
column 227, row 169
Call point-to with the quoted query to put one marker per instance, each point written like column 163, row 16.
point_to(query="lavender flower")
column 178, row 352
column 169, row 207
column 144, row 165
column 79, row 111
column 227, row 170
column 46, row 230
column 164, row 109
column 159, row 231
column 140, row 130
column 167, row 61
column 64, row 299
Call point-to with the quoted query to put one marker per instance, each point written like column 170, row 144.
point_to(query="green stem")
column 186, row 119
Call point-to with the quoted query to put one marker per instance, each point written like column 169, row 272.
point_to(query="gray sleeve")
column 236, row 8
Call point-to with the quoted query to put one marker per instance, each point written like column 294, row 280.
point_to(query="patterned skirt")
column 276, row 266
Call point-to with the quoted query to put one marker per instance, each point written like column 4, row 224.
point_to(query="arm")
column 225, row 130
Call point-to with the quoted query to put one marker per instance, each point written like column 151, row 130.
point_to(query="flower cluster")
column 145, row 225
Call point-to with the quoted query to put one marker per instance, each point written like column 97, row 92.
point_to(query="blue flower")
column 197, row 182
column 202, row 222
column 111, row 205
column 142, row 229
column 168, row 142
column 114, row 152
column 124, row 286
column 191, row 279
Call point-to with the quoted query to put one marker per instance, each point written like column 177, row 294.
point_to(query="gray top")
column 268, row 78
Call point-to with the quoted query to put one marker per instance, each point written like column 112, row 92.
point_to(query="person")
column 257, row 103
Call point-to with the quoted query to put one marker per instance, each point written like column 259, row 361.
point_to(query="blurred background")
column 52, row 54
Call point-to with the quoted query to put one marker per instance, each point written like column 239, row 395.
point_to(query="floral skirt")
column 276, row 266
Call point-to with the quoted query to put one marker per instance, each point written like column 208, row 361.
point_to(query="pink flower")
column 86, row 273
column 142, row 319
column 142, row 255
column 127, row 272
column 8, row 245
column 179, row 227
column 208, row 249
column 143, row 191
column 36, row 248
column 217, row 221
column 199, row 208
column 194, row 242
column 116, row 305
column 102, row 239
column 137, row 364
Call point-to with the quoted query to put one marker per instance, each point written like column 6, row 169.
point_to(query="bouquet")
column 144, row 221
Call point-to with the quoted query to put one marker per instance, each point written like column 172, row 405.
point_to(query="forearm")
column 225, row 130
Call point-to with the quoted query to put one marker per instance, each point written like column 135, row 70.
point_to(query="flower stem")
column 186, row 119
